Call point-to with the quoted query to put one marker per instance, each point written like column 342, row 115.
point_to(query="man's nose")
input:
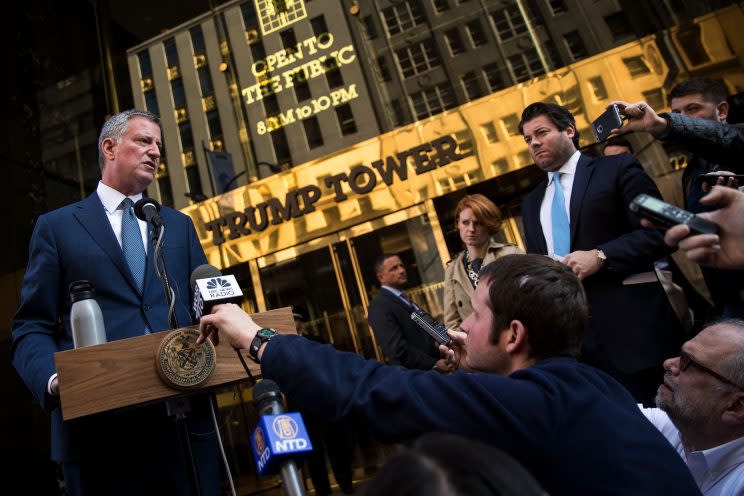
column 672, row 365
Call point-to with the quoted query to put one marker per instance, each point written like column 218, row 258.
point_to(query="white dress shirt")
column 718, row 471
column 111, row 200
column 567, row 178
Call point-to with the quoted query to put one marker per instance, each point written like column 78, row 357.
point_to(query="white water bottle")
column 86, row 318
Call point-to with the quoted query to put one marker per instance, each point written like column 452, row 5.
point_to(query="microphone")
column 279, row 437
column 148, row 210
column 212, row 288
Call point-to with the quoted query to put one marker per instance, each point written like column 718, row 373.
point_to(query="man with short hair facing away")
column 402, row 341
column 572, row 426
column 579, row 215
column 701, row 407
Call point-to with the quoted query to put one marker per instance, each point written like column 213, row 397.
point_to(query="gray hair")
column 115, row 126
column 732, row 364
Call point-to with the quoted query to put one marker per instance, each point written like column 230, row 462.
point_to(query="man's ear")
column 571, row 131
column 107, row 148
column 723, row 110
column 733, row 415
column 517, row 339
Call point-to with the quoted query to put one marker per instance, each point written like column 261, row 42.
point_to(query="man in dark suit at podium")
column 402, row 341
column 98, row 239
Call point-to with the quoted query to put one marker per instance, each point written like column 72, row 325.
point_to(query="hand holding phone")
column 667, row 215
column 605, row 123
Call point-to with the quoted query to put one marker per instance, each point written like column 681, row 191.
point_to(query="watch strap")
column 262, row 336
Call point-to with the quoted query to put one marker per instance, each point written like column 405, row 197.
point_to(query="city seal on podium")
column 183, row 364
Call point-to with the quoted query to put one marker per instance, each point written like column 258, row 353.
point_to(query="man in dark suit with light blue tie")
column 100, row 240
column 579, row 214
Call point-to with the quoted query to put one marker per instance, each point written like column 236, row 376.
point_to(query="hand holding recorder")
column 726, row 248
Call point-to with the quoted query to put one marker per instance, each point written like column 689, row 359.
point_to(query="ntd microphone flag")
column 276, row 438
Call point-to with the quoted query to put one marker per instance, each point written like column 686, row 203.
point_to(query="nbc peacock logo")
column 217, row 283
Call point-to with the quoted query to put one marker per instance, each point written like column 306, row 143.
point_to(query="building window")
column 509, row 22
column 151, row 102
column 179, row 94
column 166, row 191
column 368, row 24
column 171, row 54
column 346, row 119
column 197, row 40
column 477, row 35
column 619, row 25
column 654, row 98
column 281, row 147
column 417, row 59
column 598, row 88
column 557, row 6
column 258, row 52
column 205, row 80
column 213, row 123
column 319, row 26
column 454, row 41
column 301, row 87
column 493, row 77
column 402, row 16
column 187, row 138
column 312, row 132
column 397, row 112
column 575, row 45
column 433, row 100
column 333, row 73
column 289, row 40
column 472, row 86
column 511, row 124
column 441, row 6
column 526, row 65
column 636, row 66
column 145, row 63
column 193, row 180
column 382, row 65
column 489, row 132
column 271, row 104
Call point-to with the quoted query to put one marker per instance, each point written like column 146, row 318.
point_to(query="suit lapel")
column 92, row 217
column 584, row 170
column 535, row 237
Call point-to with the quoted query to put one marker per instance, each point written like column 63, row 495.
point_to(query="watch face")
column 267, row 332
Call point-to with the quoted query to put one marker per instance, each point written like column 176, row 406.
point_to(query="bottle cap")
column 81, row 290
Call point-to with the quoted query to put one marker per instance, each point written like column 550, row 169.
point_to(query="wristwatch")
column 600, row 255
column 262, row 336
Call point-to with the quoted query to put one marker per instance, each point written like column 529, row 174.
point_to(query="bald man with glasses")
column 701, row 407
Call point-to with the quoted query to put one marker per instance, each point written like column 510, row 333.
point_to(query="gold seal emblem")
column 182, row 363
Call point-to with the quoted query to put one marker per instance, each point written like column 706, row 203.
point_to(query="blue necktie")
column 131, row 243
column 559, row 219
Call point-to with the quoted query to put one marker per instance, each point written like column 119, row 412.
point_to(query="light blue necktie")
column 559, row 219
column 131, row 243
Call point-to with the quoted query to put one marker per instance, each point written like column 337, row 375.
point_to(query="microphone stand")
column 175, row 407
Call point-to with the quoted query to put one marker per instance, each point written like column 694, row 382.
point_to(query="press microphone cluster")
column 211, row 288
column 280, row 438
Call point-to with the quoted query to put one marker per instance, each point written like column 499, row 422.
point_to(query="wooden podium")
column 122, row 373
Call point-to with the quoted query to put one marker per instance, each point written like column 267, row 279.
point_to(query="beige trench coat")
column 457, row 287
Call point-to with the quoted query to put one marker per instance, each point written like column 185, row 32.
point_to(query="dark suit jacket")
column 77, row 242
column 631, row 327
column 402, row 341
column 573, row 427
